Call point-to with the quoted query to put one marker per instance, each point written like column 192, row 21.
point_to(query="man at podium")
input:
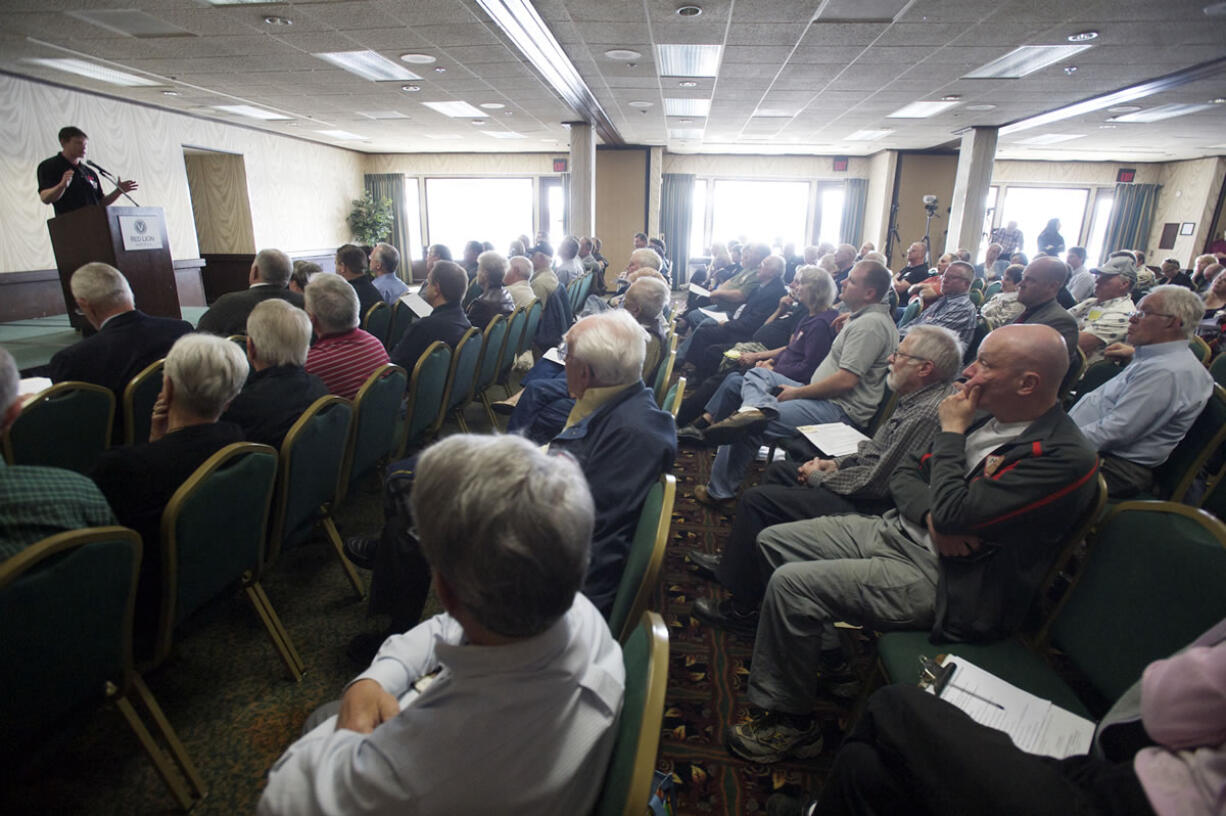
column 67, row 184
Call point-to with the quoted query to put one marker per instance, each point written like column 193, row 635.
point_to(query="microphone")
column 97, row 167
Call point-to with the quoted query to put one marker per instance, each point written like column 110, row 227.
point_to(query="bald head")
column 1041, row 281
column 1018, row 371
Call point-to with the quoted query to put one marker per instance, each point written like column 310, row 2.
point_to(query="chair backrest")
column 992, row 290
column 885, row 410
column 1049, row 599
column 535, row 308
column 402, row 318
column 664, row 372
column 66, row 625
column 510, row 343
column 1071, row 377
column 627, row 782
column 976, row 297
column 139, row 397
column 912, row 310
column 459, row 388
column 1202, row 442
column 642, row 568
column 1152, row 583
column 426, row 389
column 972, row 348
column 676, row 395
column 1201, row 349
column 491, row 349
column 1218, row 369
column 1096, row 374
column 312, row 461
column 977, row 285
column 377, row 321
column 213, row 531
column 376, row 410
column 66, row 426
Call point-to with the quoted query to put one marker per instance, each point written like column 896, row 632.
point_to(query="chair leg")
column 165, row 767
column 489, row 411
column 276, row 630
column 172, row 739
column 335, row 537
column 460, row 420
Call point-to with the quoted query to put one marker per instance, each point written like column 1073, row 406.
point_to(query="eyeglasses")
column 1141, row 314
column 910, row 357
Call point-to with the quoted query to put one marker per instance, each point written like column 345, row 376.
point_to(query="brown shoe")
column 703, row 497
column 735, row 427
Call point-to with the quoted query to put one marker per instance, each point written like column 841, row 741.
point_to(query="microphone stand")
column 114, row 180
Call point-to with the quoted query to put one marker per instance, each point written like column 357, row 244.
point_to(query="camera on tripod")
column 930, row 204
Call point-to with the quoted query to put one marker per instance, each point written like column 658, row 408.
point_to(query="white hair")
column 816, row 287
column 388, row 256
column 939, row 346
column 649, row 295
column 494, row 265
column 274, row 267
column 521, row 266
column 101, row 285
column 646, row 257
column 507, row 526
column 828, row 263
column 879, row 257
column 206, row 371
column 332, row 301
column 280, row 332
column 612, row 344
column 774, row 263
column 1183, row 304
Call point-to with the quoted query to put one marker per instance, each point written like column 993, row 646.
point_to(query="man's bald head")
column 1018, row 371
column 1042, row 281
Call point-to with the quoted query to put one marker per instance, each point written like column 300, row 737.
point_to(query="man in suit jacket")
column 269, row 277
column 279, row 389
column 443, row 290
column 127, row 341
column 351, row 265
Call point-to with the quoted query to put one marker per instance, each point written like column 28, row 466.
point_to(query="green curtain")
column 676, row 203
column 391, row 187
column 855, row 195
column 1131, row 214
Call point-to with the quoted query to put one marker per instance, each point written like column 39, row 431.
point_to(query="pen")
column 947, row 684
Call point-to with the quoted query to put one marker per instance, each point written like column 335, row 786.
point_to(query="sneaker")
column 704, row 564
column 772, row 737
column 360, row 550
column 703, row 496
column 724, row 615
column 737, row 426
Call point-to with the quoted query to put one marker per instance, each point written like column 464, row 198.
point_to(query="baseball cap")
column 543, row 247
column 1118, row 266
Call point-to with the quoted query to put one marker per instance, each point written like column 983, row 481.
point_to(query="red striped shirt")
column 344, row 361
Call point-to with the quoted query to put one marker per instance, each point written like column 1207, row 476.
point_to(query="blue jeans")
column 542, row 409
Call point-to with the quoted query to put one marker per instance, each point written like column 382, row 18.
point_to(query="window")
column 1033, row 207
column 989, row 209
column 553, row 210
column 773, row 212
column 830, row 205
column 1096, row 252
column 412, row 214
column 459, row 210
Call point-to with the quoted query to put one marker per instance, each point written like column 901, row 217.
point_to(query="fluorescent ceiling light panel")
column 504, row 134
column 1025, row 60
column 1157, row 114
column 687, row 107
column 773, row 113
column 867, row 135
column 92, row 70
column 387, row 114
column 456, row 110
column 343, row 136
column 1050, row 139
column 130, row 22
column 252, row 112
column 440, row 136
column 688, row 60
column 922, row 109
column 368, row 65
column 685, row 133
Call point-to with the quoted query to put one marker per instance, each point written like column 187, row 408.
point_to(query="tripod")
column 932, row 213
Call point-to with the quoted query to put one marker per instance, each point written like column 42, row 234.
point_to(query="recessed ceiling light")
column 687, row 83
column 252, row 112
column 641, row 105
column 438, row 69
column 456, row 110
column 508, row 113
column 170, row 93
column 274, row 20
column 92, row 71
column 622, row 54
column 343, row 136
column 1160, row 112
column 410, row 88
column 773, row 113
column 688, row 60
column 689, row 11
column 383, row 114
column 685, row 133
column 686, row 122
column 1124, row 109
column 1051, row 138
column 868, row 135
column 1083, row 36
column 504, row 134
column 1106, row 127
column 1025, row 60
column 417, row 59
column 492, row 105
column 477, row 122
column 1220, row 100
column 922, row 109
column 1070, row 69
column 950, row 98
column 983, row 107
column 368, row 65
column 686, row 107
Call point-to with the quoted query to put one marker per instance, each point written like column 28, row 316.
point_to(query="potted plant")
column 371, row 220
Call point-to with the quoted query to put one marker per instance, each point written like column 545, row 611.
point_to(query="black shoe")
column 502, row 407
column 704, row 564
column 737, row 426
column 690, row 434
column 723, row 615
column 363, row 648
column 360, row 550
column 839, row 682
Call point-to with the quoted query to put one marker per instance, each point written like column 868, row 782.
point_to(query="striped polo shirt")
column 344, row 361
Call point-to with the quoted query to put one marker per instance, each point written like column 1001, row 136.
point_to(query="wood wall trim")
column 36, row 292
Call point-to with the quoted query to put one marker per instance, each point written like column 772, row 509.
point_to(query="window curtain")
column 391, row 186
column 676, row 204
column 855, row 195
column 1131, row 214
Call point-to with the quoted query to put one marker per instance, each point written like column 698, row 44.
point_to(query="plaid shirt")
column 37, row 502
column 866, row 473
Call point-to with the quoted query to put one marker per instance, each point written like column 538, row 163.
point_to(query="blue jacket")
column 556, row 318
column 447, row 323
column 623, row 447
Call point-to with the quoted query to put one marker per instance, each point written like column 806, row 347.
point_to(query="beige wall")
column 880, row 195
column 462, row 164
column 1053, row 173
column 774, row 167
column 299, row 192
column 920, row 174
column 217, row 183
column 621, row 200
column 1189, row 192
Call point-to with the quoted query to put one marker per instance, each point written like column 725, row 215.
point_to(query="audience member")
column 979, row 519
column 1051, row 242
column 921, row 371
column 1200, row 278
column 384, row 261
column 517, row 653
column 269, row 278
column 916, row 270
column 436, row 253
column 443, row 289
column 351, row 265
column 1003, row 307
column 279, row 388
column 953, row 308
column 301, row 276
column 1173, row 273
column 568, row 267
column 590, row 265
column 640, row 240
column 760, row 304
column 1010, row 239
column 37, row 502
column 343, row 355
column 1137, row 418
column 1103, row 319
column 544, row 281
column 519, row 273
column 1037, row 290
column 993, row 265
column 846, row 387
column 472, row 250
column 1081, row 282
column 494, row 299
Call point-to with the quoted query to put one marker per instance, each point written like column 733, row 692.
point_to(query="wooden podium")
column 131, row 239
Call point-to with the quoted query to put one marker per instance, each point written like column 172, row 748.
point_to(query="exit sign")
column 559, row 165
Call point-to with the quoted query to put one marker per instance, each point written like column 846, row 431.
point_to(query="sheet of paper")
column 417, row 304
column 698, row 290
column 718, row 317
column 833, row 438
column 1066, row 735
column 554, row 356
column 30, row 386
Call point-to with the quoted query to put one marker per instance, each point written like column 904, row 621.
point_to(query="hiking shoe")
column 737, row 426
column 703, row 496
column 360, row 550
column 724, row 615
column 773, row 736
column 840, row 682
